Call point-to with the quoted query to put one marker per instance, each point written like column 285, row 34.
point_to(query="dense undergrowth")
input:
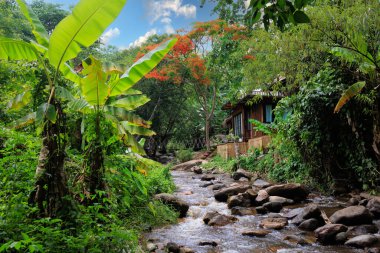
column 111, row 226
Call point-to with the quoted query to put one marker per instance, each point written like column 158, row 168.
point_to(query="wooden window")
column 268, row 113
column 248, row 116
column 237, row 125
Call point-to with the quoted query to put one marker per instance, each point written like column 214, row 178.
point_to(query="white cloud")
column 163, row 9
column 166, row 20
column 143, row 38
column 109, row 35
column 169, row 29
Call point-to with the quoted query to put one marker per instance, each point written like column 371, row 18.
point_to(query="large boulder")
column 207, row 177
column 282, row 200
column 373, row 206
column 259, row 183
column 309, row 224
column 224, row 193
column 217, row 219
column 274, row 207
column 362, row 241
column 197, row 170
column 296, row 192
column 310, row 211
column 262, row 197
column 327, row 233
column 178, row 204
column 352, row 215
column 188, row 165
column 274, row 223
column 240, row 173
column 239, row 200
column 362, row 230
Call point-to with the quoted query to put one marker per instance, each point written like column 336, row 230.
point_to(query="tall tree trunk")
column 51, row 189
column 376, row 129
column 207, row 133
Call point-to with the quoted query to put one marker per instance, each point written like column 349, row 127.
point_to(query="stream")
column 191, row 230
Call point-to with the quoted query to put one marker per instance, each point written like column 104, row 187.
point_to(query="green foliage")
column 184, row 155
column 218, row 162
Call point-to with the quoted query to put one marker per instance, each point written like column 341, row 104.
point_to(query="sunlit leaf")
column 13, row 49
column 140, row 68
column 137, row 130
column 81, row 28
column 20, row 101
column 130, row 103
column 38, row 29
column 352, row 91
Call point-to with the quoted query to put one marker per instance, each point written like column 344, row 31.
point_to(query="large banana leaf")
column 124, row 115
column 352, row 91
column 12, row 49
column 130, row 141
column 142, row 67
column 38, row 29
column 24, row 121
column 63, row 93
column 93, row 85
column 131, row 102
column 69, row 73
column 82, row 28
column 20, row 101
column 137, row 130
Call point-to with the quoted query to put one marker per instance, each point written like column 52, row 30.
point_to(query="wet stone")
column 207, row 178
column 218, row 187
column 362, row 241
column 274, row 207
column 296, row 239
column 262, row 197
column 206, row 184
column 352, row 215
column 274, row 223
column 242, row 211
column 256, row 232
column 208, row 243
column 309, row 224
column 172, row 247
column 362, row 230
column 327, row 233
column 341, row 237
column 261, row 210
column 261, row 183
column 223, row 194
column 197, row 170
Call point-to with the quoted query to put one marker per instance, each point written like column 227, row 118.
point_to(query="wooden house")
column 240, row 126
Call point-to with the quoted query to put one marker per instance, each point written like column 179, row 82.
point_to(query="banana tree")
column 106, row 93
column 80, row 29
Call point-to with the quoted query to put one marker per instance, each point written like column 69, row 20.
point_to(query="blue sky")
column 141, row 18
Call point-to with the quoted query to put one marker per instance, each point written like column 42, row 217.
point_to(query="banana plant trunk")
column 51, row 188
column 96, row 161
column 376, row 129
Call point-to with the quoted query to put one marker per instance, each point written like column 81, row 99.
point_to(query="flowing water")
column 192, row 230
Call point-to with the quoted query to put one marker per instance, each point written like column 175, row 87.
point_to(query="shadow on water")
column 192, row 230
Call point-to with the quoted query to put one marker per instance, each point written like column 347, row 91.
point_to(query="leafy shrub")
column 184, row 155
column 218, row 162
column 174, row 146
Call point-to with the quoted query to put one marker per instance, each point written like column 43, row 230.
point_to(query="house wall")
column 255, row 111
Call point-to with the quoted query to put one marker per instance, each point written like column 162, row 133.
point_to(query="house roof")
column 244, row 99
